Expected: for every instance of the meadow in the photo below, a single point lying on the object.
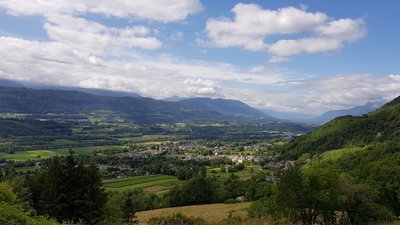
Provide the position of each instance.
(153, 183)
(44, 154)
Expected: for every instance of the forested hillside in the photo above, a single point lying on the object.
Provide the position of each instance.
(350, 131)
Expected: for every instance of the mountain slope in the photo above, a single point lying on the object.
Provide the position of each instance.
(350, 131)
(9, 83)
(223, 106)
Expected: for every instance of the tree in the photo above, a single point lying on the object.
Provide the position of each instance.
(129, 209)
(69, 190)
(14, 213)
(310, 195)
(359, 206)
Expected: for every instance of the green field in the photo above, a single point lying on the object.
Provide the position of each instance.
(147, 138)
(43, 154)
(141, 182)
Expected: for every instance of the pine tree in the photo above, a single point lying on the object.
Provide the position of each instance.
(69, 190)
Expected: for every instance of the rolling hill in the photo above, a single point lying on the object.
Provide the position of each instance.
(350, 131)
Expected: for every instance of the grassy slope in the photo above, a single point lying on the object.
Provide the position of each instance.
(211, 213)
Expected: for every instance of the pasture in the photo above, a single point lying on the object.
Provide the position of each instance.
(43, 154)
(151, 183)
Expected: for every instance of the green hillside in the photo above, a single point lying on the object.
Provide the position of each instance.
(350, 131)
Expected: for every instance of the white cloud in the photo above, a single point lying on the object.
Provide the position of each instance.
(65, 23)
(309, 45)
(252, 26)
(158, 10)
(343, 29)
(258, 70)
(96, 38)
(176, 36)
(278, 59)
(200, 87)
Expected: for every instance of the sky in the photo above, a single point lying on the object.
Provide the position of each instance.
(306, 56)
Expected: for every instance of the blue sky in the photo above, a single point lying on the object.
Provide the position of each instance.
(302, 56)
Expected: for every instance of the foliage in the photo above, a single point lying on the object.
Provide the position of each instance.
(14, 213)
(68, 190)
(309, 195)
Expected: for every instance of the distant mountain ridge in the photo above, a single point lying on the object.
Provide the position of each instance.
(224, 107)
(141, 110)
(355, 111)
(9, 83)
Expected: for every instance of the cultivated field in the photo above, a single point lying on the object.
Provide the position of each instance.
(151, 183)
(43, 154)
(212, 213)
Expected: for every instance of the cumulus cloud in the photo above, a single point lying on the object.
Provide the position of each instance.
(96, 38)
(65, 22)
(258, 70)
(252, 26)
(157, 10)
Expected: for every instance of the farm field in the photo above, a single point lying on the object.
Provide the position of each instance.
(151, 183)
(43, 154)
(147, 138)
(211, 213)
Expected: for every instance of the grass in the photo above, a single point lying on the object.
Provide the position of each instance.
(43, 154)
(335, 155)
(212, 213)
(162, 182)
(26, 155)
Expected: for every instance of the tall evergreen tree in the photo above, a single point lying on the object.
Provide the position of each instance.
(69, 190)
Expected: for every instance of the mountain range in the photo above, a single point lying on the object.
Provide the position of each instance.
(222, 107)
(137, 109)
